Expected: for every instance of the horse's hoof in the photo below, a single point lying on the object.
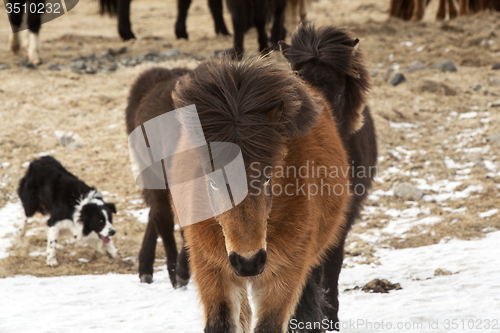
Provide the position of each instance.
(182, 282)
(127, 35)
(181, 33)
(146, 278)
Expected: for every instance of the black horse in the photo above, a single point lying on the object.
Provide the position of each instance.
(122, 9)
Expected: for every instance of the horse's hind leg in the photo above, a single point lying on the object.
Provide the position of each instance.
(182, 270)
(34, 24)
(216, 8)
(464, 7)
(311, 307)
(419, 11)
(15, 21)
(180, 24)
(452, 9)
(260, 24)
(164, 220)
(303, 11)
(278, 31)
(147, 253)
(124, 25)
(441, 12)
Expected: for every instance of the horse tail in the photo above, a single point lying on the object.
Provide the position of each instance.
(109, 7)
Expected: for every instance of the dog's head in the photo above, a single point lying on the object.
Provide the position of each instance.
(97, 216)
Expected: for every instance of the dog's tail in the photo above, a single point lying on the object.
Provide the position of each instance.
(109, 7)
(329, 59)
(28, 196)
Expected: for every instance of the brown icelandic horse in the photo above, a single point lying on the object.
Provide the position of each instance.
(274, 238)
(330, 61)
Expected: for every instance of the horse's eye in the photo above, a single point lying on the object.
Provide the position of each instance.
(338, 95)
(267, 181)
(213, 184)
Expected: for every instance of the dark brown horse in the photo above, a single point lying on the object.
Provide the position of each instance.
(284, 226)
(330, 61)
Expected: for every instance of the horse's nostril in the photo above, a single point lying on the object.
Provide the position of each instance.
(248, 266)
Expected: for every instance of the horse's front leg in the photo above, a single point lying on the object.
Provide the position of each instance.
(223, 296)
(276, 298)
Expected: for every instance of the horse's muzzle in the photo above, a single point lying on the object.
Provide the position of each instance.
(248, 266)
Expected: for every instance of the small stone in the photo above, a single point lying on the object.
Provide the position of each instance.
(65, 140)
(78, 66)
(440, 271)
(415, 66)
(5, 165)
(397, 79)
(66, 48)
(408, 191)
(388, 73)
(494, 81)
(115, 52)
(4, 66)
(496, 66)
(476, 86)
(380, 286)
(91, 69)
(494, 138)
(54, 67)
(73, 145)
(445, 66)
(436, 87)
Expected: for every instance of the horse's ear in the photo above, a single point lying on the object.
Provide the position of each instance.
(284, 47)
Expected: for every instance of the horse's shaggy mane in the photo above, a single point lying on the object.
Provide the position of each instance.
(255, 103)
(331, 51)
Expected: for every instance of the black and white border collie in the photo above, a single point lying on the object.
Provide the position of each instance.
(49, 188)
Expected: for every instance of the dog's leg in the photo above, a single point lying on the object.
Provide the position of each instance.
(111, 249)
(52, 235)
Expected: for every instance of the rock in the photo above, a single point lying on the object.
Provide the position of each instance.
(66, 48)
(388, 73)
(494, 138)
(494, 81)
(476, 86)
(78, 66)
(397, 79)
(408, 191)
(115, 52)
(54, 67)
(437, 88)
(65, 140)
(445, 66)
(380, 286)
(496, 66)
(415, 66)
(4, 66)
(91, 69)
(73, 145)
(170, 54)
(440, 271)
